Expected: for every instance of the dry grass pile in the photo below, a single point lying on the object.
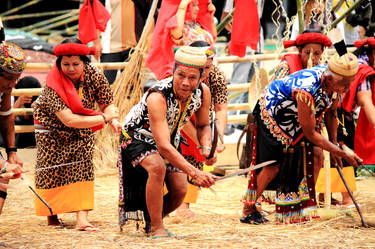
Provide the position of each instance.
(127, 92)
(215, 224)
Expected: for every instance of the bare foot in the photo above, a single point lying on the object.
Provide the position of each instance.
(184, 211)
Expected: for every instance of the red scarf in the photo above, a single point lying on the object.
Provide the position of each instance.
(245, 27)
(64, 87)
(91, 18)
(294, 62)
(363, 72)
(160, 58)
(191, 149)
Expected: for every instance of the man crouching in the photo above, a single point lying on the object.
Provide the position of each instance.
(150, 142)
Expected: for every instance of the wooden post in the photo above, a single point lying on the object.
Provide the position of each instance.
(327, 175)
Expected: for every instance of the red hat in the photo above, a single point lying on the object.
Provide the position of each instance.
(369, 41)
(308, 38)
(73, 49)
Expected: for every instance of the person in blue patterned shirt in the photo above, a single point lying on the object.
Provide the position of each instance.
(288, 118)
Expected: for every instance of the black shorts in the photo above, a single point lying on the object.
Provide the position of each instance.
(135, 151)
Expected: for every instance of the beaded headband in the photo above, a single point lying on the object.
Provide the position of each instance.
(12, 58)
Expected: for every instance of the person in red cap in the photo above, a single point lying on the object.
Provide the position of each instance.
(65, 123)
(309, 42)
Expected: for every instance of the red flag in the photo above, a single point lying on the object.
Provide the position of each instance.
(91, 18)
(245, 27)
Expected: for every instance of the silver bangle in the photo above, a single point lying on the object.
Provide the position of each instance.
(204, 147)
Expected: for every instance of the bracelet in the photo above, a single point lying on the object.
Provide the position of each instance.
(105, 119)
(11, 149)
(204, 147)
(4, 169)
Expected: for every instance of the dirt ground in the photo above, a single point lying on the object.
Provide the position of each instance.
(215, 225)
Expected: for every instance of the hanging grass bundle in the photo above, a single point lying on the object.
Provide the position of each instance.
(127, 91)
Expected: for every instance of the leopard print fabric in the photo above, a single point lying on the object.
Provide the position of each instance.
(64, 144)
(192, 161)
(218, 88)
(219, 95)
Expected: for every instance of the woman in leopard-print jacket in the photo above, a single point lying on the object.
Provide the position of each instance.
(64, 130)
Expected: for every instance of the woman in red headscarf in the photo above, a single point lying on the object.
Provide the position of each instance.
(179, 23)
(309, 42)
(65, 122)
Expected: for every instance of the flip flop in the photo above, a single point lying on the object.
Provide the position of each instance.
(89, 228)
(169, 235)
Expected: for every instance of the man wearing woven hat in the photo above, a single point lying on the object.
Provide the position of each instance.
(287, 117)
(12, 63)
(150, 141)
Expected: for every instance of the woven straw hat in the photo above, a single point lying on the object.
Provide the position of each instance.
(190, 57)
(12, 58)
(346, 65)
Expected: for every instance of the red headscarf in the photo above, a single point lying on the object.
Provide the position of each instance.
(91, 18)
(369, 41)
(245, 27)
(160, 58)
(64, 87)
(308, 38)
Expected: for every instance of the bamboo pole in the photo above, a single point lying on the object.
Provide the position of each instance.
(56, 24)
(237, 118)
(239, 107)
(48, 66)
(20, 7)
(220, 27)
(33, 15)
(241, 87)
(70, 31)
(300, 16)
(26, 91)
(23, 128)
(347, 12)
(327, 175)
(48, 21)
(220, 60)
(231, 119)
(23, 111)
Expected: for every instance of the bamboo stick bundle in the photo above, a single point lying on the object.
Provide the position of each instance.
(19, 7)
(67, 31)
(33, 15)
(56, 24)
(49, 21)
(127, 92)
